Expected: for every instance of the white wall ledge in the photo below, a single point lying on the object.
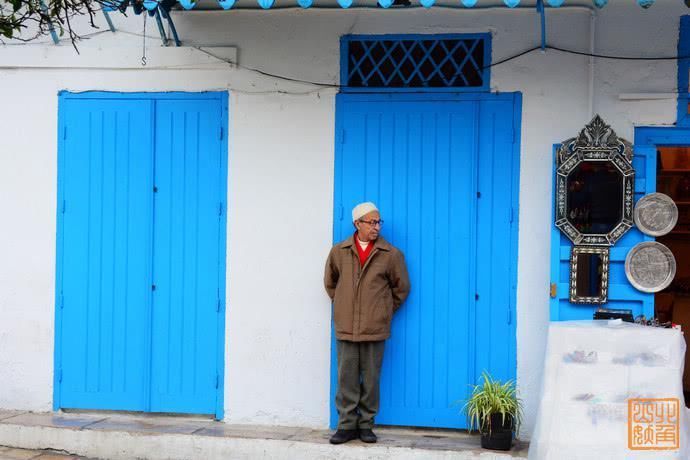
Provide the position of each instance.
(646, 96)
(65, 57)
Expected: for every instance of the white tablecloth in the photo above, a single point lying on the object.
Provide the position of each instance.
(591, 370)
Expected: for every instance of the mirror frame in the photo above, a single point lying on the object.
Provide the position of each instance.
(597, 142)
(574, 255)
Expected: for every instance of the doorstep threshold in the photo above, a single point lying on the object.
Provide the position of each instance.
(125, 436)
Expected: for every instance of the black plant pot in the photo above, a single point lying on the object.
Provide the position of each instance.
(501, 437)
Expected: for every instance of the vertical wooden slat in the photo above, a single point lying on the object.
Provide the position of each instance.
(494, 242)
(187, 224)
(384, 199)
(105, 235)
(413, 240)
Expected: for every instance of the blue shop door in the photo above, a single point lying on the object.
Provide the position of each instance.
(140, 236)
(443, 170)
(621, 292)
(104, 247)
(186, 257)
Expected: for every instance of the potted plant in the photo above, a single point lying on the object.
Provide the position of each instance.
(496, 411)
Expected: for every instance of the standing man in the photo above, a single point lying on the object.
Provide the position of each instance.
(367, 281)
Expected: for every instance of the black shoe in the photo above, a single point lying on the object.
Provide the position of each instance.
(343, 436)
(367, 435)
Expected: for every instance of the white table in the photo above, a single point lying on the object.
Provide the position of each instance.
(591, 371)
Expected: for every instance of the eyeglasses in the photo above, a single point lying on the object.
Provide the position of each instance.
(373, 223)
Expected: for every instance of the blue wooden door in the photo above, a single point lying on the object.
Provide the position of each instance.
(104, 248)
(442, 171)
(188, 213)
(621, 293)
(139, 322)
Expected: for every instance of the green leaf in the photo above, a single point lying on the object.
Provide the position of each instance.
(492, 397)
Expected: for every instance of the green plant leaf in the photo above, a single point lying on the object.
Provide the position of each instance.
(490, 397)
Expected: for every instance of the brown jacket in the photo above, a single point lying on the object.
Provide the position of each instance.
(365, 299)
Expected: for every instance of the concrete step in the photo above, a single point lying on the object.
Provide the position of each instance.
(10, 453)
(155, 437)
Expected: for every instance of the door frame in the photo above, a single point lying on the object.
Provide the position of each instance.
(662, 136)
(222, 98)
(338, 211)
(649, 138)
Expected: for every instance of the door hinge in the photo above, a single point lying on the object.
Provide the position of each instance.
(64, 133)
(479, 194)
(221, 133)
(62, 301)
(64, 206)
(342, 136)
(342, 211)
(512, 215)
(60, 375)
(554, 290)
(220, 208)
(510, 314)
(153, 287)
(217, 381)
(155, 189)
(218, 306)
(476, 296)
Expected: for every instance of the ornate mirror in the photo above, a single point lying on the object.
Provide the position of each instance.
(595, 182)
(589, 274)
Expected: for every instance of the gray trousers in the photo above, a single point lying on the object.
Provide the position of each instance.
(359, 371)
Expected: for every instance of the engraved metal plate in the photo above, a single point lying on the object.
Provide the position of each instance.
(656, 214)
(650, 266)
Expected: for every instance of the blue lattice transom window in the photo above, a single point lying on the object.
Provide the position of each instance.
(457, 62)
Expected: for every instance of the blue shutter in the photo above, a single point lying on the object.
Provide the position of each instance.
(140, 267)
(497, 238)
(621, 292)
(423, 160)
(187, 237)
(104, 253)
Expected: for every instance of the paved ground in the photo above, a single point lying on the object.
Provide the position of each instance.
(9, 453)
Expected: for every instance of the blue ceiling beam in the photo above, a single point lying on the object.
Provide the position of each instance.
(53, 34)
(542, 11)
(151, 5)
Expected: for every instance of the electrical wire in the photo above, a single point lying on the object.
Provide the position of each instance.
(622, 58)
(50, 42)
(515, 56)
(281, 77)
(493, 64)
(594, 55)
(323, 85)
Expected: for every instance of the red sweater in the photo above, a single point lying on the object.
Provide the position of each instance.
(363, 253)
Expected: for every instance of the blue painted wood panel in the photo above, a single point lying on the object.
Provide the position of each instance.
(140, 252)
(498, 177)
(621, 292)
(424, 161)
(187, 218)
(104, 250)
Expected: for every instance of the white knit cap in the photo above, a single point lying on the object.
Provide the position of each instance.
(362, 210)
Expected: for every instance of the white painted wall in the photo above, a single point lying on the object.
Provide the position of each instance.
(281, 169)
